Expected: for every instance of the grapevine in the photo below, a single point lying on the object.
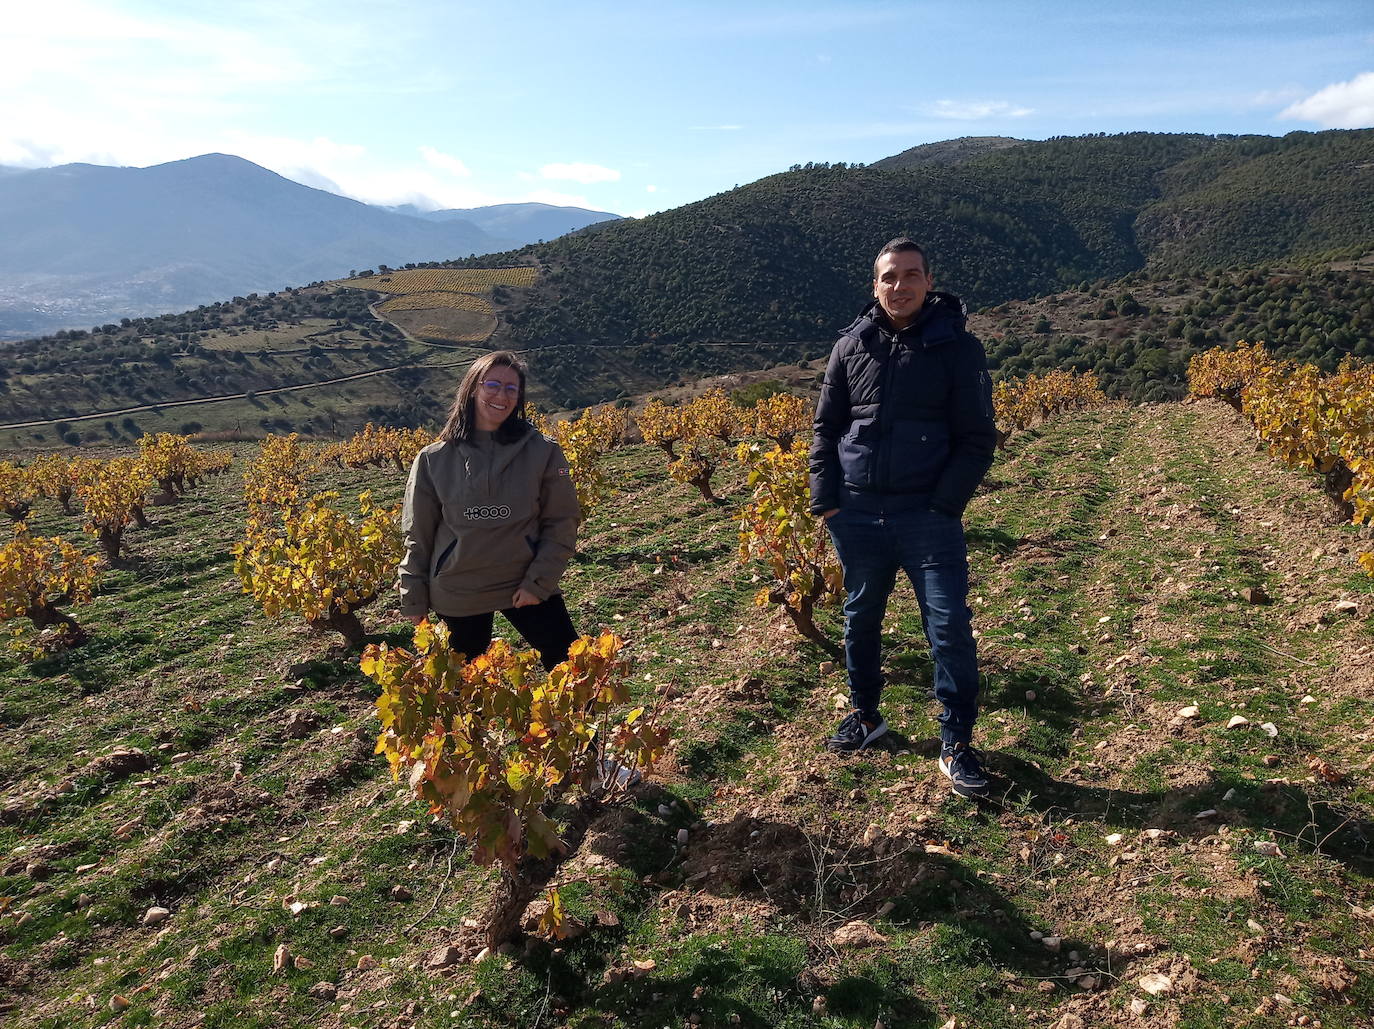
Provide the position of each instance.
(493, 745)
(16, 491)
(39, 573)
(781, 418)
(713, 415)
(51, 477)
(584, 441)
(704, 427)
(1315, 422)
(319, 562)
(169, 459)
(456, 280)
(426, 301)
(661, 425)
(1019, 404)
(375, 445)
(278, 476)
(777, 527)
(112, 493)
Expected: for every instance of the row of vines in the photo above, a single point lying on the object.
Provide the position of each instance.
(39, 575)
(1309, 420)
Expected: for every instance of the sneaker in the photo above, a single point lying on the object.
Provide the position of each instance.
(856, 733)
(963, 767)
(623, 775)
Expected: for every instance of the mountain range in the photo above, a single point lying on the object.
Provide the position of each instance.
(83, 244)
(528, 222)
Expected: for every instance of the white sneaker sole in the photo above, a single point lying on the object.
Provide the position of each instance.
(877, 733)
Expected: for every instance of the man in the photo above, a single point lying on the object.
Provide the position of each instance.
(904, 434)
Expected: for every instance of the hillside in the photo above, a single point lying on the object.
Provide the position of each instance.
(1138, 333)
(153, 374)
(787, 257)
(1109, 552)
(292, 349)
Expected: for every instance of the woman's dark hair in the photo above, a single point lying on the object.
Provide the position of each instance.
(461, 418)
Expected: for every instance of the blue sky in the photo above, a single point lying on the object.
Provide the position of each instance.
(633, 107)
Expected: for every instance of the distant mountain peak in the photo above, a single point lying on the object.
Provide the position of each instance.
(215, 155)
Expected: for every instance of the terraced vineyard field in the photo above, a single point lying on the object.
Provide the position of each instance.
(427, 300)
(1179, 707)
(456, 280)
(442, 304)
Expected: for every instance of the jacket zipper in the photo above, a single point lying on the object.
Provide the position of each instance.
(882, 454)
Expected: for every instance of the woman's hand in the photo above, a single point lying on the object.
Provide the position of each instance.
(523, 598)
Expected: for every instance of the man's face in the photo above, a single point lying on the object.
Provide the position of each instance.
(901, 285)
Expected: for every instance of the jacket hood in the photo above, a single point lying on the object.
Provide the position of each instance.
(943, 317)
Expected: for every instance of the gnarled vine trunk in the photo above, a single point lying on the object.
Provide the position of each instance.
(1335, 483)
(803, 617)
(702, 481)
(44, 615)
(110, 540)
(346, 623)
(500, 920)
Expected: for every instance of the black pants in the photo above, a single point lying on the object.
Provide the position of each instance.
(547, 627)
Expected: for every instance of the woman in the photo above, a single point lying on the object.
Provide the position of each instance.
(490, 519)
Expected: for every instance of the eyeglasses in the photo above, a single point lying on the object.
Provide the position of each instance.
(494, 387)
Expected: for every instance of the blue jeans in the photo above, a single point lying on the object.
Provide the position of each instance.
(929, 547)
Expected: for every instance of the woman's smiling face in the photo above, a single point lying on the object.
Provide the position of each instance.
(498, 394)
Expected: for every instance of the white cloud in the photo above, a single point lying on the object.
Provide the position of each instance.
(1269, 98)
(280, 152)
(578, 172)
(64, 44)
(975, 110)
(85, 81)
(557, 199)
(651, 189)
(1341, 105)
(445, 162)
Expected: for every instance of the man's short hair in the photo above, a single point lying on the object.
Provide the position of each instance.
(902, 245)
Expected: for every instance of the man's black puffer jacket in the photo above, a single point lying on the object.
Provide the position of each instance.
(905, 419)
